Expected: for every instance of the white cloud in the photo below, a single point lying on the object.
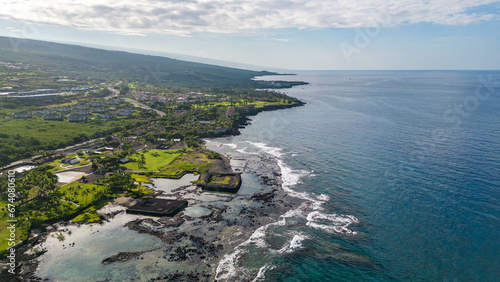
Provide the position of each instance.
(229, 16)
(274, 39)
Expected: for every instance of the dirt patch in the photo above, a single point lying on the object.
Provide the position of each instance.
(124, 201)
(69, 176)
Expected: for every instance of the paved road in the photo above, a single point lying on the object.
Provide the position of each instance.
(145, 106)
(29, 160)
(114, 93)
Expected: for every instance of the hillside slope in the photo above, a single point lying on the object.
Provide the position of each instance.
(104, 65)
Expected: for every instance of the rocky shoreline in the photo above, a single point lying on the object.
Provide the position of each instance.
(193, 245)
(244, 119)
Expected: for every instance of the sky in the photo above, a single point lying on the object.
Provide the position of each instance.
(276, 34)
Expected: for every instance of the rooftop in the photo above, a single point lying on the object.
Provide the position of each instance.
(158, 207)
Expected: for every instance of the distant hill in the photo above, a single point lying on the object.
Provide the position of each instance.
(103, 65)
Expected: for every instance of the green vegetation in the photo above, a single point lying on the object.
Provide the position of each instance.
(218, 179)
(41, 200)
(21, 138)
(140, 178)
(14, 105)
(192, 160)
(89, 215)
(154, 159)
(57, 165)
(84, 64)
(194, 100)
(81, 194)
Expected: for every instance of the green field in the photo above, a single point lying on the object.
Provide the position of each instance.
(155, 159)
(54, 132)
(191, 160)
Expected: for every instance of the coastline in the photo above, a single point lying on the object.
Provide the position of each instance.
(274, 202)
(243, 119)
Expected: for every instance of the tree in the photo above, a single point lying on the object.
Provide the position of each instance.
(142, 161)
(119, 182)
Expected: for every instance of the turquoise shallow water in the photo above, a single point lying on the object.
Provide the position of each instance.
(413, 156)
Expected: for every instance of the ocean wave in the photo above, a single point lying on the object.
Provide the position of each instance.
(227, 269)
(244, 151)
(230, 145)
(294, 244)
(310, 210)
(274, 151)
(340, 222)
(261, 274)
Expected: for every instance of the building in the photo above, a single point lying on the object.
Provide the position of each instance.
(78, 118)
(21, 115)
(230, 112)
(53, 117)
(106, 116)
(158, 207)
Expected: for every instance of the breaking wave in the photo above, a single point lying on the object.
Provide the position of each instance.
(227, 268)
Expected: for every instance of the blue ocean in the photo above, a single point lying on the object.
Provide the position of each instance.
(400, 171)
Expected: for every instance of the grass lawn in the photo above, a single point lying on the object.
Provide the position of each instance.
(140, 178)
(155, 159)
(191, 160)
(216, 179)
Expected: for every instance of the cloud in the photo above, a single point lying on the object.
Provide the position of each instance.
(14, 30)
(231, 16)
(274, 39)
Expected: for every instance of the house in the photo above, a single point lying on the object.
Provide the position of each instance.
(124, 160)
(74, 161)
(66, 160)
(99, 110)
(63, 109)
(106, 116)
(21, 115)
(123, 112)
(78, 118)
(230, 112)
(83, 112)
(220, 130)
(53, 117)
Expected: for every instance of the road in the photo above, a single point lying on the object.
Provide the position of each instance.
(114, 93)
(145, 106)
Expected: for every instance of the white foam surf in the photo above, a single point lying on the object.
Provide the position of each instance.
(230, 145)
(294, 244)
(310, 210)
